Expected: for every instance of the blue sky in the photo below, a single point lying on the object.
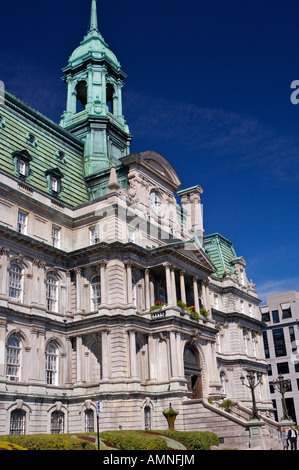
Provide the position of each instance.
(208, 86)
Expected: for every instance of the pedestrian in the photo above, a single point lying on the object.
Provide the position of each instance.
(292, 437)
(284, 437)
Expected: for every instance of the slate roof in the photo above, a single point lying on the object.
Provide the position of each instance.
(20, 120)
(221, 252)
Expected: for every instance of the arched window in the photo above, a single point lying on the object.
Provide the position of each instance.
(52, 293)
(52, 363)
(95, 285)
(147, 418)
(17, 422)
(81, 90)
(109, 96)
(192, 371)
(15, 281)
(13, 358)
(57, 422)
(89, 420)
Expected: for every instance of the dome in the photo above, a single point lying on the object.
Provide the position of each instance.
(94, 46)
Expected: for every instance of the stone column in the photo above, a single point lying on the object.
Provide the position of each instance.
(89, 84)
(173, 286)
(207, 295)
(3, 324)
(152, 291)
(129, 282)
(152, 357)
(42, 283)
(4, 271)
(173, 355)
(41, 374)
(105, 355)
(203, 294)
(195, 293)
(147, 289)
(103, 76)
(80, 357)
(182, 286)
(168, 283)
(119, 103)
(71, 96)
(133, 358)
(104, 293)
(79, 291)
(35, 282)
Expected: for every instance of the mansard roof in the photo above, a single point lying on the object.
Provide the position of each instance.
(221, 252)
(53, 147)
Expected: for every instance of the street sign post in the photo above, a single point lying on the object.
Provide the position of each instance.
(99, 410)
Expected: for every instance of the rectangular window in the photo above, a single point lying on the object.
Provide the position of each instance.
(22, 167)
(54, 184)
(55, 236)
(22, 222)
(283, 368)
(279, 342)
(286, 313)
(275, 316)
(266, 345)
(265, 317)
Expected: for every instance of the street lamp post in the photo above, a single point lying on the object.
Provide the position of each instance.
(252, 385)
(282, 386)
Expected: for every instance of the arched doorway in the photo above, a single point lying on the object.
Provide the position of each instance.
(192, 371)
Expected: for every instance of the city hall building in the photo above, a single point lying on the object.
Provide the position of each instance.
(109, 289)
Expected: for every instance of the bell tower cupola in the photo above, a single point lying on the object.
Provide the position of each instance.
(94, 80)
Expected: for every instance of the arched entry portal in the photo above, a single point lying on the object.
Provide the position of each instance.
(192, 371)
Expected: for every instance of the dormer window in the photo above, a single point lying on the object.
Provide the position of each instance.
(2, 122)
(54, 177)
(22, 159)
(31, 139)
(60, 155)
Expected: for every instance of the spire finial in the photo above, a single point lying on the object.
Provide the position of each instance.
(93, 16)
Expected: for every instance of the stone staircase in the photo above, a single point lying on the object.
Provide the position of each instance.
(234, 429)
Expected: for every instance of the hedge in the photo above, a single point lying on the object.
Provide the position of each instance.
(49, 442)
(195, 440)
(124, 440)
(10, 446)
(134, 440)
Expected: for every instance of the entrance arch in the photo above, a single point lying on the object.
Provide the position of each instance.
(192, 371)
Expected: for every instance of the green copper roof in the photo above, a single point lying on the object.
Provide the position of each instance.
(52, 150)
(221, 252)
(93, 45)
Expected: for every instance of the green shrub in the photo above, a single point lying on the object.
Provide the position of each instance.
(195, 440)
(134, 440)
(9, 446)
(49, 442)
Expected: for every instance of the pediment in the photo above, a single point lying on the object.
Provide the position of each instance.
(155, 165)
(196, 254)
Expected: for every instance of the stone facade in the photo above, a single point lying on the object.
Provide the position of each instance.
(108, 288)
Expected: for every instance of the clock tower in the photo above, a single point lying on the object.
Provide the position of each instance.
(93, 112)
